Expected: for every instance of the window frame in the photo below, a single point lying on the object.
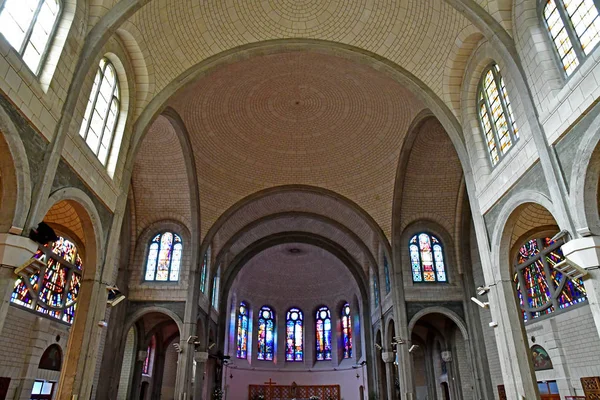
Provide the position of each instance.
(318, 318)
(445, 259)
(570, 29)
(507, 115)
(168, 281)
(272, 318)
(27, 37)
(101, 72)
(301, 319)
(240, 320)
(350, 333)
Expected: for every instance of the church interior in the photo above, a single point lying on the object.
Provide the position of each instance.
(299, 199)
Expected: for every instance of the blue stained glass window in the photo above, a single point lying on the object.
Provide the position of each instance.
(242, 332)
(323, 334)
(164, 258)
(266, 334)
(294, 350)
(53, 288)
(347, 330)
(203, 274)
(537, 294)
(386, 270)
(427, 259)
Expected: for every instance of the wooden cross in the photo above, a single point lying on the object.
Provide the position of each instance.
(270, 384)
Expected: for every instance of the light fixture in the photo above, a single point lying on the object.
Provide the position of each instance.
(481, 304)
(570, 269)
(378, 346)
(413, 348)
(177, 347)
(210, 346)
(481, 290)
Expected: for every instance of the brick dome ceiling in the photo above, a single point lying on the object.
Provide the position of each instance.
(296, 118)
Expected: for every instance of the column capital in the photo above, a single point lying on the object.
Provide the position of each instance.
(201, 356)
(584, 251)
(15, 249)
(388, 356)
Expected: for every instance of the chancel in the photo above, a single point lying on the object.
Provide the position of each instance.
(312, 199)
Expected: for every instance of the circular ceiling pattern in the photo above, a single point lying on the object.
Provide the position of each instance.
(296, 118)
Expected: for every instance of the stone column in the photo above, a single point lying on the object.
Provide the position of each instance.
(388, 358)
(14, 251)
(585, 252)
(200, 357)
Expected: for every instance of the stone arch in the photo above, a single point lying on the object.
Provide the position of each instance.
(482, 168)
(456, 64)
(133, 318)
(584, 180)
(228, 277)
(454, 317)
(15, 176)
(508, 222)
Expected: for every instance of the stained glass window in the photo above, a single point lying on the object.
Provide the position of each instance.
(574, 28)
(376, 291)
(386, 271)
(147, 367)
(102, 112)
(242, 331)
(215, 293)
(294, 349)
(427, 259)
(53, 288)
(495, 114)
(29, 26)
(537, 294)
(204, 270)
(347, 330)
(323, 329)
(266, 334)
(164, 258)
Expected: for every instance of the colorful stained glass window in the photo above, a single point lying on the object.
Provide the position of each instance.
(294, 350)
(574, 27)
(164, 258)
(102, 112)
(53, 288)
(266, 334)
(147, 367)
(323, 329)
(376, 291)
(386, 271)
(242, 331)
(537, 294)
(28, 26)
(495, 114)
(347, 330)
(427, 258)
(204, 270)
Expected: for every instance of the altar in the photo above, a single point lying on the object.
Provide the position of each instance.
(271, 391)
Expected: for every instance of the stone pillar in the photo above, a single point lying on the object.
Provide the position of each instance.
(585, 252)
(200, 357)
(388, 358)
(14, 251)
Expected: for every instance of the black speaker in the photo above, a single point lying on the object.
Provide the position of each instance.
(43, 234)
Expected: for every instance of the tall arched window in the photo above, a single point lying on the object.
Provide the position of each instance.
(386, 271)
(102, 111)
(294, 347)
(149, 360)
(496, 118)
(427, 258)
(242, 331)
(50, 284)
(323, 328)
(347, 330)
(376, 291)
(215, 293)
(537, 294)
(574, 28)
(29, 27)
(204, 270)
(266, 337)
(164, 258)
